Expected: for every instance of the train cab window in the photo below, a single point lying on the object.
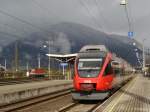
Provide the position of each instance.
(108, 69)
(89, 67)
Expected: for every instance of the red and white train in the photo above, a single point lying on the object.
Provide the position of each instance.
(97, 73)
(38, 73)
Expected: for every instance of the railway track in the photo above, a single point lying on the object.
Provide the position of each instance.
(55, 102)
(87, 106)
(33, 101)
(91, 106)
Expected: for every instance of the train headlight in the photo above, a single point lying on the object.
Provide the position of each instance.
(87, 81)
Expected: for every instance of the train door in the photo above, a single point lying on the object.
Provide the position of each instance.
(108, 75)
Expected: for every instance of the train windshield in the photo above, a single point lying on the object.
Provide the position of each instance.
(89, 67)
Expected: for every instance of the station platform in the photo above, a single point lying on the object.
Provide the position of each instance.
(13, 93)
(133, 97)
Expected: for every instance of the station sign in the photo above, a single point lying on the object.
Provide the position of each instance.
(130, 34)
(64, 64)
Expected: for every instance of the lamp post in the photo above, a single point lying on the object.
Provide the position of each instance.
(27, 66)
(5, 64)
(16, 56)
(49, 59)
(39, 61)
(124, 3)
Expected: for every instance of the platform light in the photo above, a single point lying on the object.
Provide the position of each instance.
(44, 46)
(123, 2)
(134, 43)
(135, 50)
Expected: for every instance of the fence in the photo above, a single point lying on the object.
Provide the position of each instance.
(10, 74)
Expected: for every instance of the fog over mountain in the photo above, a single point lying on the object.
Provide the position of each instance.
(20, 18)
(66, 38)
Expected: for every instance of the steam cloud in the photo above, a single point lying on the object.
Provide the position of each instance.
(62, 43)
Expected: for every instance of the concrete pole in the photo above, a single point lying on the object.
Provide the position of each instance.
(64, 71)
(143, 54)
(39, 61)
(5, 64)
(27, 66)
(16, 56)
(49, 60)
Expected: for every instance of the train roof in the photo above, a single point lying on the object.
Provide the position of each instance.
(90, 51)
(94, 48)
(92, 55)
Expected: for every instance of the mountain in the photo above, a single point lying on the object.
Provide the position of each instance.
(66, 38)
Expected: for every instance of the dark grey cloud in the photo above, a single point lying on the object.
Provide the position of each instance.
(43, 13)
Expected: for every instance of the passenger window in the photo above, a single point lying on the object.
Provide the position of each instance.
(108, 69)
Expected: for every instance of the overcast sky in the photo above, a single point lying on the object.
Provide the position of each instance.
(19, 18)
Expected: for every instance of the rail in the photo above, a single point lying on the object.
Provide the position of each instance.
(32, 101)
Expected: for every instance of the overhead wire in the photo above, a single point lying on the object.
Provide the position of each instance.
(100, 14)
(90, 14)
(23, 21)
(105, 21)
(12, 27)
(41, 29)
(80, 1)
(41, 7)
(44, 9)
(10, 34)
(20, 20)
(127, 16)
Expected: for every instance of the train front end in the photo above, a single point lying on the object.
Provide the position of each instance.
(88, 81)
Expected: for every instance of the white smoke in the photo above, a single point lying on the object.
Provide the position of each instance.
(62, 43)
